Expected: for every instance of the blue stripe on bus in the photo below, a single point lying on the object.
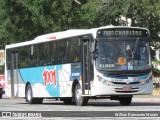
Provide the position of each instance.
(45, 76)
(126, 77)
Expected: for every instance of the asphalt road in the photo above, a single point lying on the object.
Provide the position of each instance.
(141, 106)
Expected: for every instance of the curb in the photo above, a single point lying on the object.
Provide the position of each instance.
(146, 98)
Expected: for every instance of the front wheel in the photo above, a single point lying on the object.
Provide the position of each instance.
(80, 100)
(125, 101)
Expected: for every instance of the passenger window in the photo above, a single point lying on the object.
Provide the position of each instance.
(62, 51)
(74, 50)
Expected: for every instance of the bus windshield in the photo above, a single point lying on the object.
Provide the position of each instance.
(122, 54)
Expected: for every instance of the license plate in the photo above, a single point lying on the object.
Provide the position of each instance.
(126, 88)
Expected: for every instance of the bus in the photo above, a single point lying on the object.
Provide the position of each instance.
(76, 65)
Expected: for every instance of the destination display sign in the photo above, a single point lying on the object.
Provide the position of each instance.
(122, 32)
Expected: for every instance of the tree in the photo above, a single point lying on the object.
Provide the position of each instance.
(23, 20)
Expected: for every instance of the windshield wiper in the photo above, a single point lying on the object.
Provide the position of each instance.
(134, 48)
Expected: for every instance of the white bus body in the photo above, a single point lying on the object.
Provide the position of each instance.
(76, 65)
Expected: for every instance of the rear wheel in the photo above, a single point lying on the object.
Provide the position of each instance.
(29, 96)
(125, 101)
(1, 95)
(1, 91)
(79, 99)
(67, 100)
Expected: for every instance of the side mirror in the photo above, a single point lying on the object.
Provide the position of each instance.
(93, 47)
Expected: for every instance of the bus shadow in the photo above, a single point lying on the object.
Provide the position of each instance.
(145, 104)
(116, 103)
(97, 103)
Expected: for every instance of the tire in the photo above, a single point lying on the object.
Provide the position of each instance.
(79, 99)
(29, 96)
(1, 95)
(125, 101)
(39, 100)
(67, 100)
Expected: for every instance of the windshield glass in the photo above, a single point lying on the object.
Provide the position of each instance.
(129, 54)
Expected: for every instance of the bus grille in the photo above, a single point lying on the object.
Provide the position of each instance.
(124, 83)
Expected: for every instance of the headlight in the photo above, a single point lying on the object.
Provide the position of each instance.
(109, 83)
(146, 81)
(150, 78)
(99, 78)
(104, 81)
(143, 82)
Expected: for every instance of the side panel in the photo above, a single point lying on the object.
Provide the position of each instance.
(48, 81)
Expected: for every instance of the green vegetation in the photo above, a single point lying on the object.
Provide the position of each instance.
(23, 20)
(156, 71)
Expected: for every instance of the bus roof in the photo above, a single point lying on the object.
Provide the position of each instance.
(64, 34)
(69, 33)
(51, 36)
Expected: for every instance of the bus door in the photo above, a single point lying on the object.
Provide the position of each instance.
(86, 64)
(14, 73)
